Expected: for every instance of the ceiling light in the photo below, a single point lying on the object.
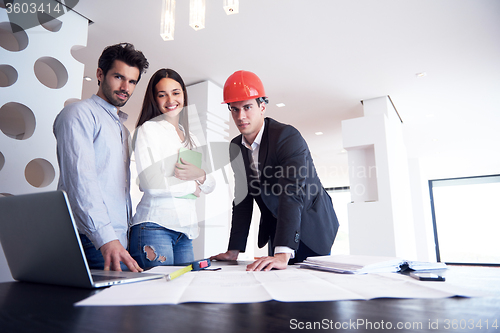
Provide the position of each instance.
(167, 20)
(422, 74)
(280, 105)
(231, 6)
(197, 14)
(87, 78)
(197, 11)
(319, 133)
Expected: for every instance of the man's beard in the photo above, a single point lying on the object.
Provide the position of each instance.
(110, 95)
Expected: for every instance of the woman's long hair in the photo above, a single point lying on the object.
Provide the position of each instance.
(150, 110)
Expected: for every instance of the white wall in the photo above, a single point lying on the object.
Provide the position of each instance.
(373, 226)
(380, 216)
(446, 164)
(208, 120)
(44, 78)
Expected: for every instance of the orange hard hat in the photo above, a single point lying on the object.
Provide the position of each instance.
(241, 86)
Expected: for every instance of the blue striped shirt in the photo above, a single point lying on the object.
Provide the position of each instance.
(94, 162)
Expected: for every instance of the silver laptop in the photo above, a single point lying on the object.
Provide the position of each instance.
(41, 243)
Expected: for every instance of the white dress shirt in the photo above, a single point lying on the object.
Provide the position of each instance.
(254, 149)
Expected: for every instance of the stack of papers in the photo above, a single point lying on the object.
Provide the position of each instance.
(358, 264)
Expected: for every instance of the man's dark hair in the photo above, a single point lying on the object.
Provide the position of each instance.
(262, 100)
(124, 52)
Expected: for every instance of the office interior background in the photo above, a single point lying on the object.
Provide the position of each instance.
(394, 98)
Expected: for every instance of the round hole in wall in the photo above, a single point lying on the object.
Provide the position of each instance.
(8, 75)
(13, 37)
(71, 101)
(2, 161)
(39, 172)
(51, 72)
(17, 121)
(77, 51)
(5, 195)
(48, 22)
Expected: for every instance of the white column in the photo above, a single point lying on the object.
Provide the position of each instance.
(209, 121)
(380, 214)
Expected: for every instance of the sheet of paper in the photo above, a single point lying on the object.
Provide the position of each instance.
(392, 285)
(233, 284)
(236, 286)
(382, 285)
(143, 293)
(298, 285)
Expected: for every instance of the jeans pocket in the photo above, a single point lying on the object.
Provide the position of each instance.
(86, 243)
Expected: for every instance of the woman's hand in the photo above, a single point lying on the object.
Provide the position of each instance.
(188, 171)
(198, 191)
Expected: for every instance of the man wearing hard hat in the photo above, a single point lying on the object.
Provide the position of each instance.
(273, 166)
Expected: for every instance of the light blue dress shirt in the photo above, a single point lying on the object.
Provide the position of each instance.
(94, 161)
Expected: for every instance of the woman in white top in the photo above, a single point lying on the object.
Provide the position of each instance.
(164, 224)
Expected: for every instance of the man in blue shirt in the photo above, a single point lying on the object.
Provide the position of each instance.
(94, 160)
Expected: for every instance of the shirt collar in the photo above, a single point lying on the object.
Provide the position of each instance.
(256, 142)
(110, 108)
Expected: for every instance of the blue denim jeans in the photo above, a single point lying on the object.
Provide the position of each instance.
(94, 257)
(153, 245)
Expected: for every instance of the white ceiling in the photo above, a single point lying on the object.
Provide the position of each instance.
(322, 57)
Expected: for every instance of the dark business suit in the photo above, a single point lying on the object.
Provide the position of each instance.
(295, 209)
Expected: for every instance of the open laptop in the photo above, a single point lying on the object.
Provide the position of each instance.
(41, 243)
